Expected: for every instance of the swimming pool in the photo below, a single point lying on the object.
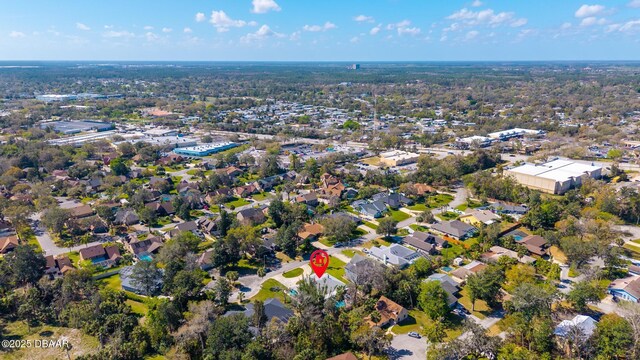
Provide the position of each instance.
(292, 292)
(145, 258)
(517, 238)
(446, 268)
(341, 304)
(98, 259)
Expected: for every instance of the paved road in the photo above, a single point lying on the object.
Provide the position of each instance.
(46, 242)
(404, 347)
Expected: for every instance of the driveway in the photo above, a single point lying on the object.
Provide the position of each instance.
(46, 242)
(407, 348)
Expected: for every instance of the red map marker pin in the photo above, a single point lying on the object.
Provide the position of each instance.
(319, 262)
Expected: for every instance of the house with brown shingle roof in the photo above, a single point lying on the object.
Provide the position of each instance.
(81, 211)
(536, 244)
(473, 267)
(391, 313)
(345, 356)
(100, 255)
(311, 231)
(58, 266)
(8, 243)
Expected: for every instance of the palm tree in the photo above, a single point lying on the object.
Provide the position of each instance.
(240, 297)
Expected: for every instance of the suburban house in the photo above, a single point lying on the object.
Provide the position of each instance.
(394, 254)
(391, 313)
(455, 229)
(330, 282)
(273, 309)
(351, 269)
(394, 200)
(191, 226)
(586, 324)
(245, 191)
(205, 260)
(126, 217)
(161, 208)
(449, 285)
(425, 242)
(479, 217)
(536, 244)
(626, 288)
(508, 209)
(145, 247)
(310, 199)
(423, 189)
(208, 225)
(473, 267)
(100, 255)
(250, 216)
(81, 211)
(58, 266)
(372, 210)
(345, 356)
(311, 231)
(496, 252)
(128, 284)
(8, 243)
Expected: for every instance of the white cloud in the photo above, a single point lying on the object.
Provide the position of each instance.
(148, 27)
(374, 30)
(452, 27)
(476, 3)
(222, 22)
(151, 37)
(592, 20)
(565, 26)
(167, 30)
(200, 17)
(317, 28)
(471, 35)
(413, 31)
(519, 22)
(262, 33)
(486, 17)
(295, 36)
(17, 34)
(108, 27)
(354, 40)
(118, 34)
(187, 30)
(589, 10)
(629, 27)
(364, 18)
(263, 6)
(634, 4)
(83, 27)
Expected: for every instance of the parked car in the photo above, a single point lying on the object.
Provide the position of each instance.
(414, 334)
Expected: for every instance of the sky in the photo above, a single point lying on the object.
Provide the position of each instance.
(319, 30)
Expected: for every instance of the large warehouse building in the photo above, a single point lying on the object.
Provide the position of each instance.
(398, 158)
(555, 177)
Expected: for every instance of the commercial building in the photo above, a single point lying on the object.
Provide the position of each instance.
(398, 158)
(84, 138)
(161, 132)
(513, 133)
(78, 126)
(206, 149)
(555, 177)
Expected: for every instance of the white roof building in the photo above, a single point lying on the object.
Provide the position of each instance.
(584, 323)
(555, 177)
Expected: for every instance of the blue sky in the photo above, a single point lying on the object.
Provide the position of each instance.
(319, 30)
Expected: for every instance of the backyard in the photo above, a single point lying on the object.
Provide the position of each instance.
(270, 289)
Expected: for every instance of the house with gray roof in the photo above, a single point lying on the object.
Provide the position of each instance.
(456, 229)
(394, 254)
(448, 284)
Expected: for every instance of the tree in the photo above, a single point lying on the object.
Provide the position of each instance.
(372, 340)
(277, 212)
(262, 272)
(338, 228)
(433, 300)
(222, 290)
(582, 293)
(421, 268)
(55, 219)
(518, 274)
(532, 300)
(228, 337)
(119, 167)
(259, 318)
(484, 285)
(25, 264)
(387, 226)
(147, 277)
(106, 214)
(613, 337)
(426, 217)
(225, 223)
(147, 216)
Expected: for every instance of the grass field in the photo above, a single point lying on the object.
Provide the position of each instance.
(417, 320)
(373, 161)
(260, 197)
(481, 308)
(81, 344)
(447, 215)
(293, 273)
(138, 307)
(270, 289)
(370, 225)
(237, 203)
(399, 216)
(112, 282)
(351, 253)
(557, 254)
(336, 268)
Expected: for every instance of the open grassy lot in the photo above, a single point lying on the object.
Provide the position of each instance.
(373, 161)
(482, 310)
(81, 344)
(270, 289)
(237, 203)
(138, 307)
(260, 197)
(293, 273)
(447, 215)
(398, 215)
(336, 268)
(418, 320)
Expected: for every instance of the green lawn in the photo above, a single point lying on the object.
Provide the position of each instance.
(246, 267)
(439, 200)
(418, 207)
(377, 242)
(481, 307)
(163, 221)
(270, 289)
(293, 273)
(336, 268)
(237, 203)
(138, 307)
(351, 253)
(417, 320)
(398, 215)
(370, 225)
(452, 252)
(260, 197)
(417, 227)
(112, 282)
(448, 215)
